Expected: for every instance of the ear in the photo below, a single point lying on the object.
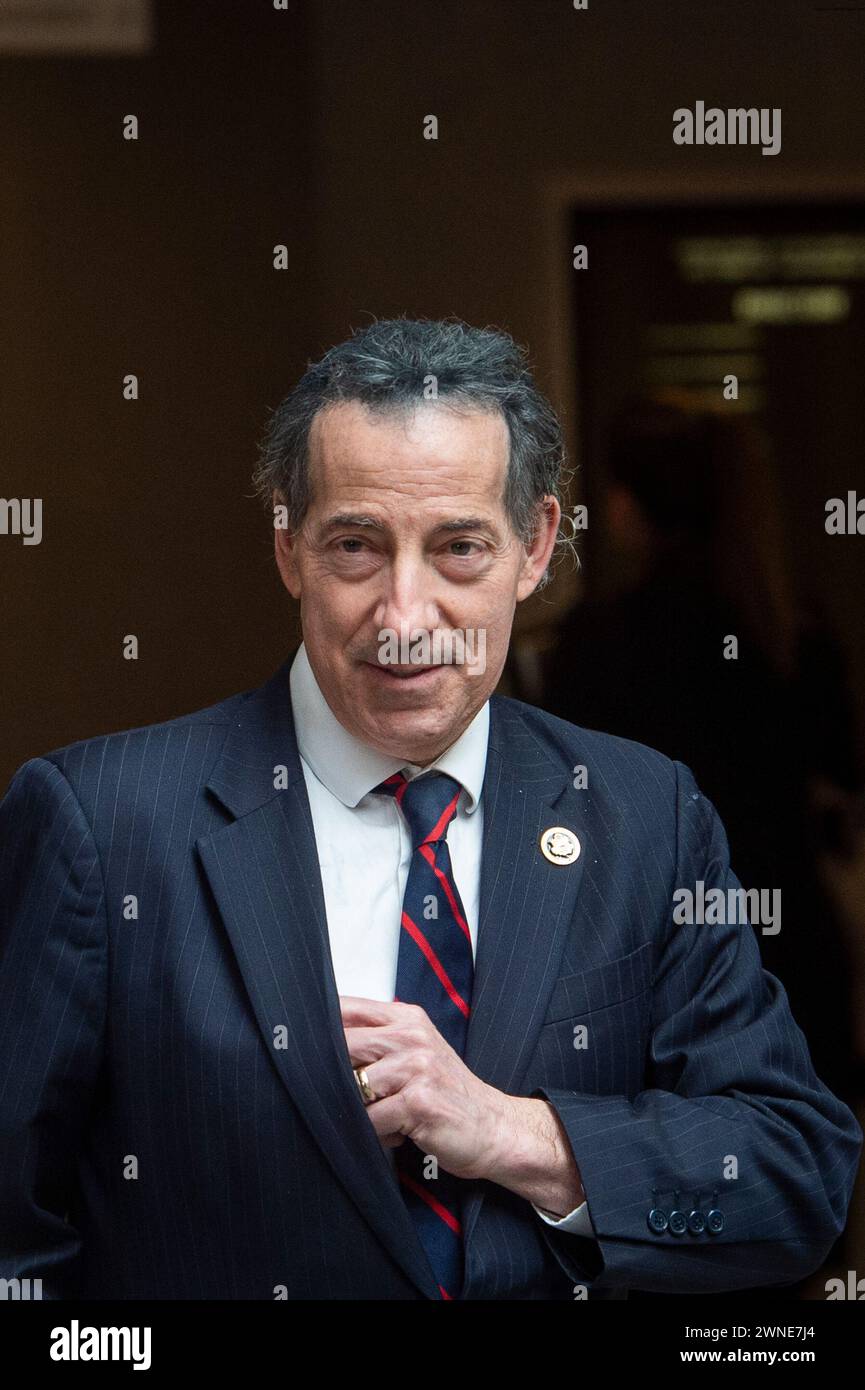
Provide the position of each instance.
(537, 554)
(285, 548)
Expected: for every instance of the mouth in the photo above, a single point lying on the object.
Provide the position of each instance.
(404, 675)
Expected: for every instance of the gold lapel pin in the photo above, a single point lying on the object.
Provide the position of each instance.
(560, 846)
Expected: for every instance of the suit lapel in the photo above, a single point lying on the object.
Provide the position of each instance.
(264, 874)
(526, 907)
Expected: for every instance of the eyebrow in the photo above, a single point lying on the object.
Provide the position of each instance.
(460, 523)
(467, 523)
(348, 519)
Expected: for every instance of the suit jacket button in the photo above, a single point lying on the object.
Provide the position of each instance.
(657, 1221)
(678, 1223)
(696, 1222)
(715, 1221)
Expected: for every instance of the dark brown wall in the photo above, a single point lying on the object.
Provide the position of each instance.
(151, 257)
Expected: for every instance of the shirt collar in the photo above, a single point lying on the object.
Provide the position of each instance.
(349, 768)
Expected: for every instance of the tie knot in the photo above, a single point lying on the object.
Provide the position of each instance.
(428, 803)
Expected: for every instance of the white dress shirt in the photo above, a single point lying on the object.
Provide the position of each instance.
(364, 847)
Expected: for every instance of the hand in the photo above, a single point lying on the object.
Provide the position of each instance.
(424, 1090)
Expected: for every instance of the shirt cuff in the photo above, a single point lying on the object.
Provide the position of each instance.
(576, 1222)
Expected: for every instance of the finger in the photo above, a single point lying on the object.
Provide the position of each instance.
(356, 1011)
(392, 1141)
(370, 1044)
(388, 1116)
(387, 1076)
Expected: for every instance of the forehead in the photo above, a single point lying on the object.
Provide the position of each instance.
(427, 451)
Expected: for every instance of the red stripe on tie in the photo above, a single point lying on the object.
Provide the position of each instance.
(430, 858)
(447, 1216)
(444, 1293)
(420, 940)
(398, 780)
(444, 819)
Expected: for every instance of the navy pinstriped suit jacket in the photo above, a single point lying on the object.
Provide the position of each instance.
(152, 1041)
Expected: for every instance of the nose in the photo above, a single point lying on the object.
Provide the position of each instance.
(407, 602)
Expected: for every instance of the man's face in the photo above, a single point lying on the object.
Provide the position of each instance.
(406, 530)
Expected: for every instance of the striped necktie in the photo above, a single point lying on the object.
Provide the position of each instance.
(435, 969)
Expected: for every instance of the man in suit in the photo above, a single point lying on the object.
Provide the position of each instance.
(368, 983)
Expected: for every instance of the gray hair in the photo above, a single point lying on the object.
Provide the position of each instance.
(397, 364)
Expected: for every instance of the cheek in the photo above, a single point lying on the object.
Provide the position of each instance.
(324, 641)
(500, 598)
(328, 605)
(496, 625)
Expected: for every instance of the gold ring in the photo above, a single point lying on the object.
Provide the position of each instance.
(364, 1087)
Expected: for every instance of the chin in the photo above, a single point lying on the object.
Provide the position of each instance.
(405, 733)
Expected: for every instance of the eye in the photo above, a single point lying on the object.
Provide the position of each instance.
(349, 541)
(465, 554)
